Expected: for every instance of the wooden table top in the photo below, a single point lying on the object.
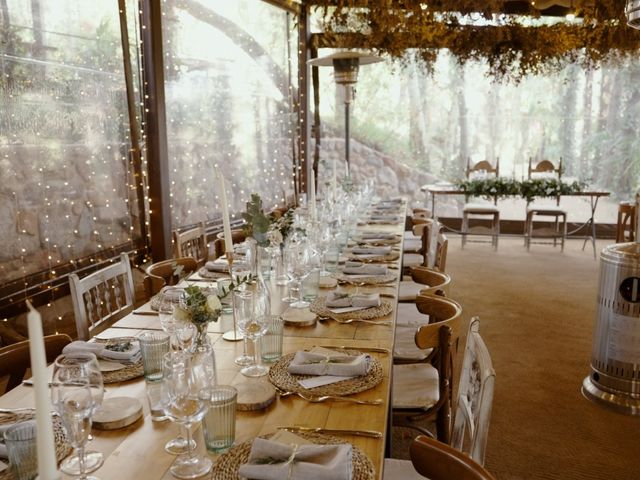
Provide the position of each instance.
(137, 452)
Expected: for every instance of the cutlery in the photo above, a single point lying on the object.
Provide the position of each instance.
(362, 320)
(324, 398)
(142, 312)
(335, 431)
(356, 347)
(201, 280)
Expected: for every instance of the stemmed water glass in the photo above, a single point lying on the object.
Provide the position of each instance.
(77, 391)
(253, 322)
(186, 391)
(298, 267)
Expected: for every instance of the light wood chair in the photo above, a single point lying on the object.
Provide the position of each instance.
(424, 256)
(626, 226)
(192, 243)
(480, 210)
(237, 235)
(475, 397)
(101, 298)
(423, 390)
(167, 272)
(423, 280)
(438, 461)
(557, 214)
(15, 358)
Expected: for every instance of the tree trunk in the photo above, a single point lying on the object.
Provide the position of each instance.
(569, 99)
(585, 141)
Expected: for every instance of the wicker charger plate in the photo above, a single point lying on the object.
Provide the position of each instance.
(60, 439)
(369, 280)
(227, 466)
(390, 257)
(281, 378)
(129, 372)
(319, 308)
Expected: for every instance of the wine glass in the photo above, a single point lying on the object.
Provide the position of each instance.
(298, 267)
(186, 392)
(169, 298)
(186, 333)
(252, 320)
(77, 391)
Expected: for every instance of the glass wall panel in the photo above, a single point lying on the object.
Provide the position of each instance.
(65, 186)
(229, 67)
(411, 127)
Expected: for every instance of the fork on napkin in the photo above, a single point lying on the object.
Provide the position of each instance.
(290, 456)
(218, 265)
(100, 350)
(371, 250)
(327, 362)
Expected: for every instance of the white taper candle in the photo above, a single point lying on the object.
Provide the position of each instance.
(47, 465)
(226, 225)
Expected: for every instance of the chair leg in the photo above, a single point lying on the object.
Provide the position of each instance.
(529, 230)
(464, 229)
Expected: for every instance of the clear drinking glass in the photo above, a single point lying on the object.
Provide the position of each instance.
(219, 425)
(185, 399)
(77, 391)
(20, 440)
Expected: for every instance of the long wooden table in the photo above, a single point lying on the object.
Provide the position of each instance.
(137, 452)
(589, 226)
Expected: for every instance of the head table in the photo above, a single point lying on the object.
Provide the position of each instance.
(137, 452)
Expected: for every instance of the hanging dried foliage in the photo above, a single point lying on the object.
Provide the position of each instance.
(512, 44)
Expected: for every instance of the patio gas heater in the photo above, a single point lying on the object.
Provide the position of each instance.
(614, 380)
(345, 72)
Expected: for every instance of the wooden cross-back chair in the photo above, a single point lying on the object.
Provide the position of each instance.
(557, 214)
(475, 397)
(423, 280)
(238, 235)
(423, 390)
(423, 257)
(480, 210)
(192, 243)
(101, 298)
(15, 358)
(167, 273)
(439, 461)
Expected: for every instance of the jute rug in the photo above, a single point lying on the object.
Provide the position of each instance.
(537, 312)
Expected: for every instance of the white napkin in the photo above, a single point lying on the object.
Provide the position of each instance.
(365, 270)
(371, 250)
(332, 363)
(218, 265)
(378, 235)
(131, 355)
(270, 460)
(339, 300)
(385, 218)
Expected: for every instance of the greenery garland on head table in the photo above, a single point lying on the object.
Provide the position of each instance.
(500, 187)
(513, 46)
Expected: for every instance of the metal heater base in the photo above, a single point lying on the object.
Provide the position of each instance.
(619, 401)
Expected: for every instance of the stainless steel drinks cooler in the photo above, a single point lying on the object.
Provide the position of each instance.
(614, 380)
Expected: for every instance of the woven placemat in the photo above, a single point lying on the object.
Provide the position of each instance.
(390, 257)
(129, 372)
(154, 303)
(369, 280)
(319, 308)
(227, 466)
(281, 378)
(60, 439)
(204, 272)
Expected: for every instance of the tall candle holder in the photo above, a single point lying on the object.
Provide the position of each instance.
(232, 335)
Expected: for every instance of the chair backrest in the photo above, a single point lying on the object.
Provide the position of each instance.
(483, 166)
(435, 282)
(442, 334)
(544, 166)
(439, 461)
(475, 397)
(192, 243)
(102, 297)
(167, 272)
(15, 358)
(237, 236)
(424, 230)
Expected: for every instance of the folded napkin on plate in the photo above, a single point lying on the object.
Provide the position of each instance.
(365, 269)
(371, 250)
(270, 460)
(378, 236)
(131, 355)
(389, 218)
(341, 300)
(217, 266)
(339, 365)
